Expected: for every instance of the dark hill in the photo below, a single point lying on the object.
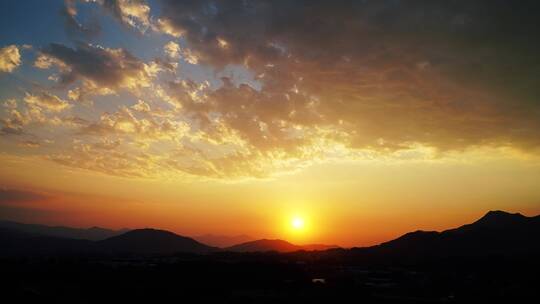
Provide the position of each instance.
(496, 233)
(152, 241)
(20, 243)
(222, 241)
(275, 245)
(264, 245)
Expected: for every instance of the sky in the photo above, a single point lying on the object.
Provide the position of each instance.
(363, 119)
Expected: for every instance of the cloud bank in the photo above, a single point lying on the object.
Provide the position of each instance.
(320, 81)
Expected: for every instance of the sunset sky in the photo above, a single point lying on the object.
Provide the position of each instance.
(363, 119)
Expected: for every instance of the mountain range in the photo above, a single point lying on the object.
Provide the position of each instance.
(275, 245)
(92, 233)
(223, 241)
(495, 233)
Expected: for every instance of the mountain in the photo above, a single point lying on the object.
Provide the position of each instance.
(139, 241)
(93, 233)
(152, 241)
(496, 233)
(275, 245)
(222, 241)
(19, 243)
(264, 245)
(318, 247)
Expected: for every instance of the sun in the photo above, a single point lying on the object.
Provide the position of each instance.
(297, 223)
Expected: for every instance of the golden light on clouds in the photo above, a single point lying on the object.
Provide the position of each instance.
(10, 58)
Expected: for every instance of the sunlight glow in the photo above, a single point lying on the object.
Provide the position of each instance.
(297, 223)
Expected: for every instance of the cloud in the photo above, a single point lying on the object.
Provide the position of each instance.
(103, 66)
(20, 196)
(47, 101)
(274, 87)
(27, 214)
(141, 106)
(38, 109)
(101, 70)
(124, 121)
(172, 49)
(75, 29)
(386, 74)
(13, 125)
(30, 144)
(107, 158)
(10, 104)
(133, 13)
(10, 58)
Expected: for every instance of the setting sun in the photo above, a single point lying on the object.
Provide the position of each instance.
(297, 223)
(270, 151)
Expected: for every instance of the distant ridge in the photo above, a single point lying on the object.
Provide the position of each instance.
(222, 241)
(496, 233)
(93, 233)
(265, 245)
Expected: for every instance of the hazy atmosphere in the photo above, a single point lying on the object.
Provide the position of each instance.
(335, 122)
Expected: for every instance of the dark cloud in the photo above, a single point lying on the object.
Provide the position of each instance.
(447, 74)
(100, 70)
(107, 67)
(75, 29)
(308, 81)
(20, 196)
(26, 214)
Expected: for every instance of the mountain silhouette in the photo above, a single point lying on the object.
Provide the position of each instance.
(222, 241)
(499, 218)
(318, 247)
(496, 233)
(15, 242)
(93, 233)
(265, 245)
(153, 241)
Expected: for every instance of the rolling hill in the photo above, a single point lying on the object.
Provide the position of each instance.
(153, 241)
(496, 233)
(222, 241)
(265, 245)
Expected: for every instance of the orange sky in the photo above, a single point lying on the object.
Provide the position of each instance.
(349, 204)
(366, 119)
